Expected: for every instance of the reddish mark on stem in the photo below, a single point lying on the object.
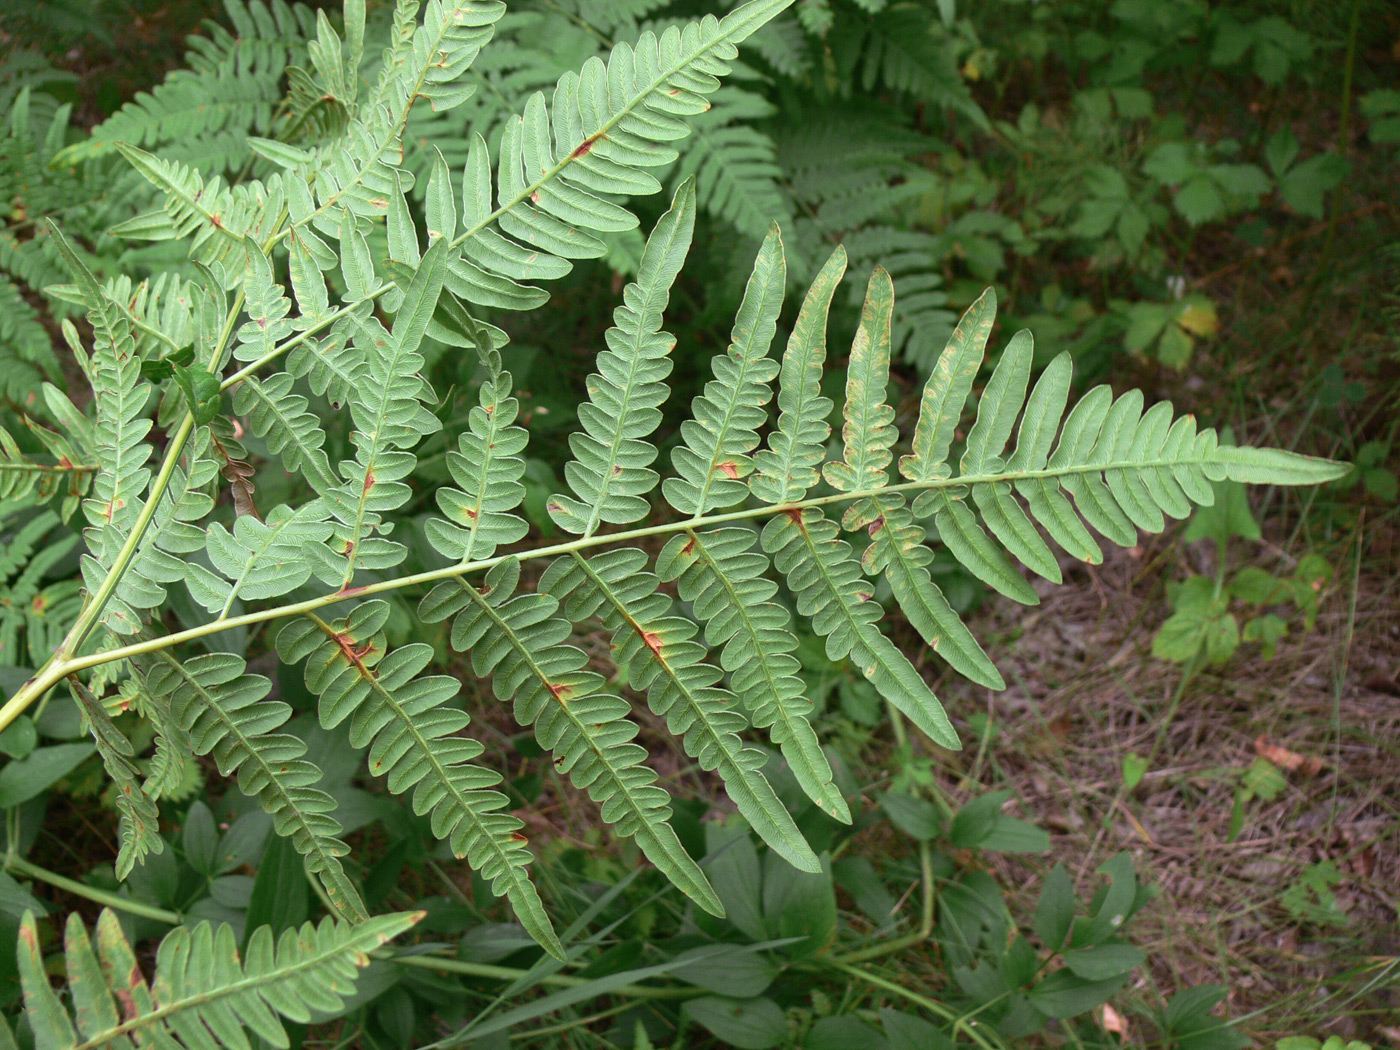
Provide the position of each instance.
(584, 146)
(369, 480)
(653, 640)
(354, 653)
(350, 592)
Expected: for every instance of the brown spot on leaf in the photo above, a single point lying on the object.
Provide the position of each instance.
(729, 469)
(876, 525)
(653, 640)
(515, 836)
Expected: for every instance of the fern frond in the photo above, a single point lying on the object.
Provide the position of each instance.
(897, 549)
(727, 415)
(659, 653)
(412, 734)
(201, 995)
(787, 469)
(258, 560)
(390, 417)
(25, 348)
(172, 765)
(734, 164)
(217, 218)
(783, 44)
(610, 473)
(121, 427)
(868, 434)
(30, 608)
(906, 51)
(946, 391)
(826, 581)
(518, 639)
(226, 714)
(231, 82)
(139, 828)
(723, 578)
(22, 475)
(559, 162)
(283, 418)
(488, 466)
(171, 536)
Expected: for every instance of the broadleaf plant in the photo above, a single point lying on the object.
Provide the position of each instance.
(319, 278)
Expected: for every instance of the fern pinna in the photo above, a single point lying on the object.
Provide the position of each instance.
(752, 502)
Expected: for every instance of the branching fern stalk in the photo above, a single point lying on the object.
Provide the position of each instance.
(748, 498)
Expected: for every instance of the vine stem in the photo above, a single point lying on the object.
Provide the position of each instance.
(59, 666)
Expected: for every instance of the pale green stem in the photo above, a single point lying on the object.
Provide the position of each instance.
(559, 980)
(92, 612)
(72, 468)
(20, 866)
(961, 1023)
(57, 668)
(926, 899)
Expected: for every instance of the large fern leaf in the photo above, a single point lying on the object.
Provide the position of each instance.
(412, 733)
(225, 714)
(519, 640)
(201, 994)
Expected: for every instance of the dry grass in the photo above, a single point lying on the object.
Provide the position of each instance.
(1084, 692)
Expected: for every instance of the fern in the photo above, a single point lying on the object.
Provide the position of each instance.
(850, 179)
(322, 268)
(230, 81)
(201, 993)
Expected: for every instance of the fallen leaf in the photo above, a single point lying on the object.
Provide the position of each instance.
(1286, 759)
(1113, 1022)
